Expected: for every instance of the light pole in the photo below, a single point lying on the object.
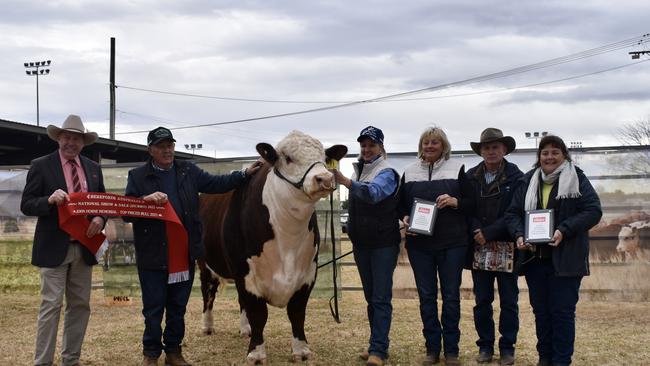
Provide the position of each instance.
(535, 135)
(193, 147)
(34, 69)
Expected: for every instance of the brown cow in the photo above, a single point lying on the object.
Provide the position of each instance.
(264, 235)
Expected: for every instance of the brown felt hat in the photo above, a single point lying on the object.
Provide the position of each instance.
(491, 135)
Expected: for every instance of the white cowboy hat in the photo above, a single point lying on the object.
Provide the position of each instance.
(73, 124)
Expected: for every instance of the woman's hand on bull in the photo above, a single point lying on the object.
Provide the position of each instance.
(253, 168)
(158, 198)
(557, 238)
(340, 178)
(445, 200)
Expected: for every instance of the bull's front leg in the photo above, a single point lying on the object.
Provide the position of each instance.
(209, 286)
(296, 310)
(256, 311)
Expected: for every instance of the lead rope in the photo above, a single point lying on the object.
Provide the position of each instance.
(335, 310)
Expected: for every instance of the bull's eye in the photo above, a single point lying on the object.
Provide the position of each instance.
(288, 160)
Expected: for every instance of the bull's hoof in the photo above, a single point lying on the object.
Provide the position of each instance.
(257, 356)
(256, 362)
(207, 322)
(301, 358)
(245, 332)
(300, 351)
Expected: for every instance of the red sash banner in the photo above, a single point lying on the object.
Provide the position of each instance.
(73, 220)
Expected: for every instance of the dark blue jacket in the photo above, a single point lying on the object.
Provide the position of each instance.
(149, 235)
(573, 217)
(493, 228)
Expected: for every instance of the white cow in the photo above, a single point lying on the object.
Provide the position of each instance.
(631, 241)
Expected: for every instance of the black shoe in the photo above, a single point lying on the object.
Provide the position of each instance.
(484, 357)
(430, 359)
(452, 360)
(507, 359)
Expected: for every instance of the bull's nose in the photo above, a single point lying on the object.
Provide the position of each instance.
(325, 180)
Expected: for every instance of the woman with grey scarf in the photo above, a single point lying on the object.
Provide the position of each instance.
(554, 270)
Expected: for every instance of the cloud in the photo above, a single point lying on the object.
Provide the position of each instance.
(323, 51)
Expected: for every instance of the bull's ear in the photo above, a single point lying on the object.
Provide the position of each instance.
(267, 152)
(336, 152)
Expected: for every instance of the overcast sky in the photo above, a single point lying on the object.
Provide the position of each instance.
(327, 51)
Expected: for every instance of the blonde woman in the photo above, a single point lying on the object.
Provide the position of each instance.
(434, 177)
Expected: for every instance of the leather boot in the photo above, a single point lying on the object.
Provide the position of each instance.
(149, 361)
(175, 359)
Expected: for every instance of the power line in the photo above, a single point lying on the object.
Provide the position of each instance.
(370, 101)
(518, 70)
(521, 86)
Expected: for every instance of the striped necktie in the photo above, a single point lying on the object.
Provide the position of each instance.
(76, 183)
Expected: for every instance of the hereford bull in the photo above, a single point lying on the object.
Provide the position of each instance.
(264, 236)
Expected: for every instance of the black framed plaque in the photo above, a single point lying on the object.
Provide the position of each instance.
(539, 226)
(423, 217)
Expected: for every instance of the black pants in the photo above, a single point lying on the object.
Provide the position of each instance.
(158, 298)
(554, 302)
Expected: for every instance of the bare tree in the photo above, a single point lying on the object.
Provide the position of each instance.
(635, 134)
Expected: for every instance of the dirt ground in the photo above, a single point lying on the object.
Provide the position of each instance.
(608, 333)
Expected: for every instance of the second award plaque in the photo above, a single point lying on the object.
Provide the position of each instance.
(539, 226)
(423, 217)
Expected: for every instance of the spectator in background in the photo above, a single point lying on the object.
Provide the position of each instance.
(555, 270)
(493, 181)
(374, 231)
(65, 264)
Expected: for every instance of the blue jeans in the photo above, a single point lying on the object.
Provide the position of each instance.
(483, 312)
(427, 265)
(158, 298)
(376, 267)
(554, 302)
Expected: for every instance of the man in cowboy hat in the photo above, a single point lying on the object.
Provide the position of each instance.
(493, 181)
(65, 265)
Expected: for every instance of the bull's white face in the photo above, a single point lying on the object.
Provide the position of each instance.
(628, 240)
(296, 154)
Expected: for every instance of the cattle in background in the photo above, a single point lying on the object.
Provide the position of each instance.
(604, 237)
(264, 236)
(634, 241)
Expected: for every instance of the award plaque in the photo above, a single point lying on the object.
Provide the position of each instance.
(539, 226)
(423, 216)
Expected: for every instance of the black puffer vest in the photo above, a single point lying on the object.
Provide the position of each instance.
(373, 225)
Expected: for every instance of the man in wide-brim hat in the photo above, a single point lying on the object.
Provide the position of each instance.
(494, 135)
(72, 124)
(493, 181)
(65, 265)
